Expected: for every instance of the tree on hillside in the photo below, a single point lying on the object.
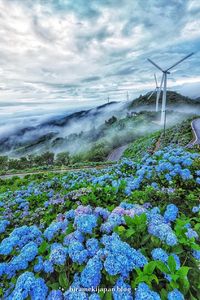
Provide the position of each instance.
(3, 162)
(62, 158)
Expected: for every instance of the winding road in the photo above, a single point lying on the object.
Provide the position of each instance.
(116, 154)
(196, 130)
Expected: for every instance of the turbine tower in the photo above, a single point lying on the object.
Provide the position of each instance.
(157, 91)
(164, 80)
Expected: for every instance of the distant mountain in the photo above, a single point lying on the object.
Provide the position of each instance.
(174, 100)
(53, 132)
(114, 123)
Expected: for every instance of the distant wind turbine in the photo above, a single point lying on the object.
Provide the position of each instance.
(127, 96)
(157, 91)
(164, 80)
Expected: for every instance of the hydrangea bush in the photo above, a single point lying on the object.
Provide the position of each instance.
(117, 233)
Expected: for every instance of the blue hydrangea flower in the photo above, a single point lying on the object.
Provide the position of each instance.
(70, 214)
(58, 254)
(74, 292)
(39, 265)
(198, 180)
(94, 297)
(121, 258)
(28, 285)
(92, 245)
(196, 209)
(171, 212)
(77, 252)
(196, 254)
(19, 237)
(175, 295)
(157, 226)
(191, 233)
(20, 262)
(54, 228)
(48, 266)
(75, 236)
(122, 290)
(55, 295)
(3, 225)
(91, 275)
(143, 292)
(85, 223)
(159, 254)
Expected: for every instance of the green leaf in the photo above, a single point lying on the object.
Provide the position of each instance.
(129, 221)
(162, 267)
(174, 285)
(107, 296)
(63, 281)
(163, 294)
(154, 277)
(130, 232)
(43, 247)
(54, 286)
(178, 249)
(150, 267)
(172, 264)
(183, 271)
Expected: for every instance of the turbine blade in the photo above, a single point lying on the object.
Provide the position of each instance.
(156, 80)
(153, 63)
(178, 62)
(151, 94)
(160, 88)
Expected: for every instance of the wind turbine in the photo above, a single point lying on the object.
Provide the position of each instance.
(127, 96)
(157, 91)
(164, 80)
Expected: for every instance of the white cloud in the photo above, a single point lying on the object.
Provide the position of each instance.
(69, 55)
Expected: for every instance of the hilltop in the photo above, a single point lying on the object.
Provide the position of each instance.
(174, 100)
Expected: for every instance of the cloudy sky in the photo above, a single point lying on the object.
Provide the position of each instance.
(62, 53)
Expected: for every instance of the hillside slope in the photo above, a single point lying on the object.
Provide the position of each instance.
(180, 134)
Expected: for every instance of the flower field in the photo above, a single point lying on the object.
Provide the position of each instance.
(130, 231)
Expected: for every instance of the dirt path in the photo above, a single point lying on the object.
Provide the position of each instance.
(116, 154)
(21, 175)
